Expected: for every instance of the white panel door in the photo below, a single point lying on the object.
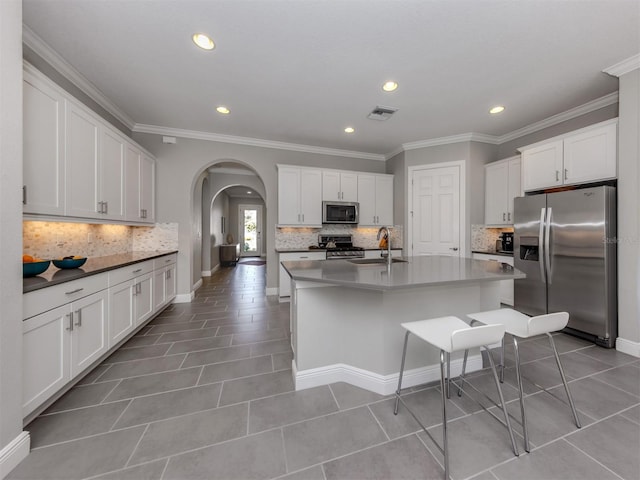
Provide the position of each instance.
(496, 194)
(82, 168)
(45, 356)
(311, 197)
(89, 340)
(288, 196)
(159, 288)
(331, 186)
(349, 187)
(170, 283)
(43, 149)
(436, 211)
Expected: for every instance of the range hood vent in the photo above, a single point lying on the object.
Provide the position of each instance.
(382, 113)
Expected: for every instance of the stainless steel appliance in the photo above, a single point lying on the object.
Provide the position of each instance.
(506, 240)
(340, 212)
(339, 247)
(565, 243)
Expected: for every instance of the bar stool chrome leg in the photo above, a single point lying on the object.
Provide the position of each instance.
(520, 392)
(502, 403)
(448, 355)
(502, 361)
(445, 445)
(564, 381)
(404, 355)
(464, 368)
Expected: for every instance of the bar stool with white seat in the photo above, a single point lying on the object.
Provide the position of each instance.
(450, 334)
(520, 325)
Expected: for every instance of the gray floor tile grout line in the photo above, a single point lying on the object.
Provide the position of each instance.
(592, 458)
(334, 397)
(632, 420)
(378, 422)
(199, 375)
(610, 384)
(110, 472)
(133, 451)
(284, 450)
(120, 416)
(164, 470)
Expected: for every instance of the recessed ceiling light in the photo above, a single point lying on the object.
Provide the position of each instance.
(497, 109)
(248, 192)
(223, 110)
(389, 86)
(203, 41)
(349, 130)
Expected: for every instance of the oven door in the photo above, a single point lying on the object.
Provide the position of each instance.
(340, 212)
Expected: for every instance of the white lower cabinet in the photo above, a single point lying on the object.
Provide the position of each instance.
(60, 344)
(284, 289)
(70, 326)
(506, 286)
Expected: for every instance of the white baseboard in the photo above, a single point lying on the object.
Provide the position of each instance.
(205, 273)
(271, 291)
(185, 297)
(15, 451)
(628, 347)
(380, 384)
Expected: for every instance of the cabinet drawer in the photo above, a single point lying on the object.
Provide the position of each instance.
(163, 261)
(130, 271)
(495, 258)
(45, 299)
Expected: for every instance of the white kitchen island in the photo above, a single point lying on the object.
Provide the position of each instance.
(345, 317)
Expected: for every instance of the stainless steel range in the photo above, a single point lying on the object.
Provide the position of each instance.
(339, 247)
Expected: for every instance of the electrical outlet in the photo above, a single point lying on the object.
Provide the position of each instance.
(89, 237)
(60, 239)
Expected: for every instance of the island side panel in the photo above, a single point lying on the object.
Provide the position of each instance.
(359, 329)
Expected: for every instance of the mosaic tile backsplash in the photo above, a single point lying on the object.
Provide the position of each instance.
(483, 239)
(49, 240)
(288, 237)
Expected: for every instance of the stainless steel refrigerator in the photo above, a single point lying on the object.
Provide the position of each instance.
(565, 243)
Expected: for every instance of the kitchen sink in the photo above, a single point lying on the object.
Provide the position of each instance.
(375, 261)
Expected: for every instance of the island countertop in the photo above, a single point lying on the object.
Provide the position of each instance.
(422, 271)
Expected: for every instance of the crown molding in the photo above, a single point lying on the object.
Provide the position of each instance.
(588, 107)
(463, 137)
(35, 43)
(253, 142)
(625, 66)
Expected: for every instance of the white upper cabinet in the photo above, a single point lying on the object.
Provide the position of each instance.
(75, 164)
(375, 195)
(111, 175)
(82, 168)
(502, 185)
(339, 186)
(584, 156)
(43, 148)
(299, 196)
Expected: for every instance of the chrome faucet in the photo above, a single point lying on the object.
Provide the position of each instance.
(388, 234)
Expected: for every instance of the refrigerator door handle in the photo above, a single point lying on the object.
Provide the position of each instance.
(543, 211)
(547, 252)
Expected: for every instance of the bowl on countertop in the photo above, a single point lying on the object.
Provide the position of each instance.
(69, 262)
(31, 269)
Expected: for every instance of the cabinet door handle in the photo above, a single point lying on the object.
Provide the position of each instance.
(566, 173)
(168, 276)
(74, 291)
(557, 176)
(78, 318)
(70, 327)
(455, 249)
(504, 217)
(24, 194)
(303, 257)
(509, 216)
(137, 271)
(106, 207)
(303, 218)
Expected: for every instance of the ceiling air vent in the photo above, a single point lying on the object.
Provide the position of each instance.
(382, 113)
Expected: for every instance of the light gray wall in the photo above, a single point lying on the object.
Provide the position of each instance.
(509, 149)
(10, 220)
(628, 208)
(206, 226)
(219, 209)
(179, 165)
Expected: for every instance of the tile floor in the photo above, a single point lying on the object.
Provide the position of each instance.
(205, 392)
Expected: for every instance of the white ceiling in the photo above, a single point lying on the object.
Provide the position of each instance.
(300, 71)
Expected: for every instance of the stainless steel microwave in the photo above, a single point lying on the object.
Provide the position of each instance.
(340, 212)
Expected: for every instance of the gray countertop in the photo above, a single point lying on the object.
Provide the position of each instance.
(295, 250)
(93, 266)
(486, 252)
(423, 271)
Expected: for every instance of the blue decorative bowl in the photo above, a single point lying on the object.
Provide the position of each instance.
(31, 269)
(69, 262)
